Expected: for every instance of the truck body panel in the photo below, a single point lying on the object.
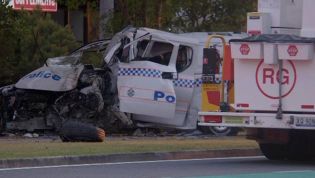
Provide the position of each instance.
(273, 81)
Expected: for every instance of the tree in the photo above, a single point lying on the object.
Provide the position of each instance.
(181, 15)
(139, 13)
(75, 4)
(27, 39)
(211, 15)
(7, 42)
(91, 14)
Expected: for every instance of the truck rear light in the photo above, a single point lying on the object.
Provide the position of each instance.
(307, 106)
(243, 105)
(212, 119)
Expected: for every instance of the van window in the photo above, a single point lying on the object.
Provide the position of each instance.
(184, 58)
(158, 52)
(141, 46)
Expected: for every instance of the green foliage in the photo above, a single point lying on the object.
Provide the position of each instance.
(27, 39)
(212, 15)
(75, 4)
(139, 13)
(92, 58)
(181, 15)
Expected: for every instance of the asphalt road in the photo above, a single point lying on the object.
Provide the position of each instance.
(246, 167)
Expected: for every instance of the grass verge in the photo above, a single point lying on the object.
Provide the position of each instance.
(28, 148)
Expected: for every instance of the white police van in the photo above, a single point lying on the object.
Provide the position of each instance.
(159, 76)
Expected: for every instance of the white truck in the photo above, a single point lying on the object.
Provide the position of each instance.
(149, 78)
(270, 92)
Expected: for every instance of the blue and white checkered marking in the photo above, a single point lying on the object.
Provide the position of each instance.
(186, 83)
(198, 82)
(142, 72)
(183, 83)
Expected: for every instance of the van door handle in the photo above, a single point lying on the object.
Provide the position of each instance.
(169, 75)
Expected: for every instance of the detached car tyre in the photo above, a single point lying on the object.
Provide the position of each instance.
(73, 131)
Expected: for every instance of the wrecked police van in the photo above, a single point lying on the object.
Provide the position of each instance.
(148, 78)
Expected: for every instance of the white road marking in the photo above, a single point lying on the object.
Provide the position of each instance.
(132, 162)
(296, 171)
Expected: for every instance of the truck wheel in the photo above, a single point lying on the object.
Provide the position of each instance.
(299, 153)
(219, 131)
(273, 151)
(72, 131)
(299, 147)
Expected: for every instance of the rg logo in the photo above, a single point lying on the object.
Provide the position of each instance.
(268, 79)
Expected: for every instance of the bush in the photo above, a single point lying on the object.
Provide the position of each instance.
(27, 39)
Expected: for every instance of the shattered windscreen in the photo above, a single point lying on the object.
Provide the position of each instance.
(92, 53)
(67, 61)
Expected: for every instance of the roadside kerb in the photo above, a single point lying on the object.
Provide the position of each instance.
(112, 158)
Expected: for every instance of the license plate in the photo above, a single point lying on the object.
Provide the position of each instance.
(305, 121)
(233, 120)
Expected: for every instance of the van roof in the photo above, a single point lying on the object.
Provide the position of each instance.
(203, 36)
(171, 36)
